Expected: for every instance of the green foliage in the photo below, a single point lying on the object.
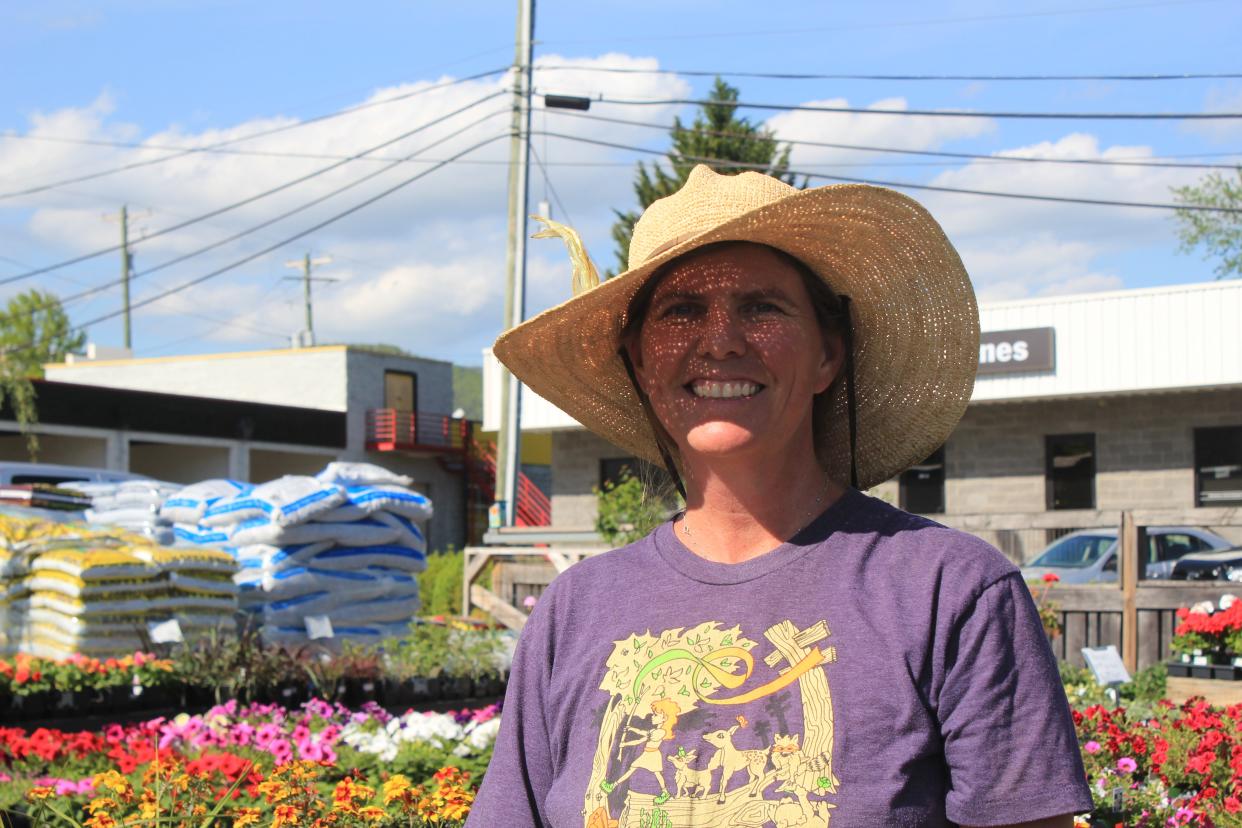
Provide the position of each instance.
(1141, 693)
(718, 134)
(468, 391)
(627, 511)
(1219, 234)
(441, 585)
(34, 329)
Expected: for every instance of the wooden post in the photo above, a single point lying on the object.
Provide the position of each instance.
(1131, 560)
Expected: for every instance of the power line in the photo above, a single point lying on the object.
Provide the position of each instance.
(556, 197)
(909, 185)
(288, 213)
(630, 70)
(249, 137)
(251, 199)
(301, 234)
(932, 113)
(978, 18)
(938, 154)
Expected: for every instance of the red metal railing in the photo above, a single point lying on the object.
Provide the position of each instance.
(533, 506)
(389, 429)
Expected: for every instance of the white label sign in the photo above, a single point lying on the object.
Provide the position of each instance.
(318, 626)
(165, 632)
(1106, 664)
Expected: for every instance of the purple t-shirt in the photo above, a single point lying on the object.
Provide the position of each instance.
(877, 669)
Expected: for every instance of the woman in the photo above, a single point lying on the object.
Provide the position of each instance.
(832, 657)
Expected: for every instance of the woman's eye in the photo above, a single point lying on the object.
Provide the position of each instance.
(679, 309)
(762, 307)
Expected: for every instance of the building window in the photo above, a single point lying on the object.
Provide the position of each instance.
(1218, 466)
(400, 390)
(1070, 471)
(922, 486)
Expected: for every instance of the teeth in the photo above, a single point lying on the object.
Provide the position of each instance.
(725, 390)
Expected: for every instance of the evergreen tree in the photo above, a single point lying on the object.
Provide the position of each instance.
(717, 134)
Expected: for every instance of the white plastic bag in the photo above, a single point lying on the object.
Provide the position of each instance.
(187, 505)
(286, 501)
(361, 474)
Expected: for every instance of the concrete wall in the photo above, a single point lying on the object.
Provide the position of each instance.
(178, 463)
(269, 464)
(305, 377)
(61, 449)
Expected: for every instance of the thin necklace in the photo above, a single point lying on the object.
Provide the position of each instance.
(810, 515)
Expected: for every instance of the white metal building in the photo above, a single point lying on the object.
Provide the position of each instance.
(1085, 405)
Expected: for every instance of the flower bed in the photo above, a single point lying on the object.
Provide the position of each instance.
(252, 763)
(1209, 634)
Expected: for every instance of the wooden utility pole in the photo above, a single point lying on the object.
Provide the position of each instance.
(126, 268)
(1131, 560)
(306, 263)
(509, 439)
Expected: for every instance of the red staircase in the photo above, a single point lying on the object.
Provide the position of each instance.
(533, 506)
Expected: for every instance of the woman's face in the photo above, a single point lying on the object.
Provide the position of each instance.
(731, 354)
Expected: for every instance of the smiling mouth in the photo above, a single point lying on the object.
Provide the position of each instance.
(714, 389)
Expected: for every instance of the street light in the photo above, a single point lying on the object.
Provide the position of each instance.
(566, 102)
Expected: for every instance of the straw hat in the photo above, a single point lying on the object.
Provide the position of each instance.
(916, 324)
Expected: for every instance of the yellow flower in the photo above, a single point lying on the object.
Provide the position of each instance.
(245, 817)
(274, 790)
(112, 781)
(40, 793)
(396, 788)
(373, 813)
(149, 806)
(103, 803)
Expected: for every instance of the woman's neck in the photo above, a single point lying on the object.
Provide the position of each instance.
(739, 508)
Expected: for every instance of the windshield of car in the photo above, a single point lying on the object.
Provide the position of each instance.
(1075, 551)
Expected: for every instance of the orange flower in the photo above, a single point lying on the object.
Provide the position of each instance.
(285, 815)
(40, 792)
(373, 813)
(100, 820)
(246, 817)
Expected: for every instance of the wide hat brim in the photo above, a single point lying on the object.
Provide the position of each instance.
(916, 329)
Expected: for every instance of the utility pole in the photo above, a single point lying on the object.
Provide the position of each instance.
(305, 264)
(508, 452)
(126, 269)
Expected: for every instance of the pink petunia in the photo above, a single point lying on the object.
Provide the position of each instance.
(1127, 765)
(1092, 747)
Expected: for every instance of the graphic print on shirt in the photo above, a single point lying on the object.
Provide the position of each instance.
(707, 727)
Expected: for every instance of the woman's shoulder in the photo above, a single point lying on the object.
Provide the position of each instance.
(924, 542)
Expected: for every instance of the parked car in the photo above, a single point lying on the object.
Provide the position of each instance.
(1225, 565)
(1091, 555)
(53, 474)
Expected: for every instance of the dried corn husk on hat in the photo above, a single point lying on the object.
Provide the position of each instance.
(915, 321)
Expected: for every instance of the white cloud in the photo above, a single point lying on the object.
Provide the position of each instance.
(894, 132)
(1219, 131)
(1041, 265)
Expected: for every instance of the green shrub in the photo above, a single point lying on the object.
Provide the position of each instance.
(627, 511)
(440, 586)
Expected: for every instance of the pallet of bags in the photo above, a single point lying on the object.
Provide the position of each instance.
(99, 595)
(346, 544)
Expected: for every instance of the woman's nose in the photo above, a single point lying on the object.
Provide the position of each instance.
(722, 335)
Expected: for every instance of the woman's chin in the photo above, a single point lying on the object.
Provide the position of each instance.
(720, 439)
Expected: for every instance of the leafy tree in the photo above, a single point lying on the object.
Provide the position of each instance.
(629, 510)
(1219, 233)
(717, 133)
(34, 329)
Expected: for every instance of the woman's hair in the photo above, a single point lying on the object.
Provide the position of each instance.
(829, 313)
(671, 711)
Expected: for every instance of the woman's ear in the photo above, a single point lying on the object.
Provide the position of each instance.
(833, 361)
(635, 353)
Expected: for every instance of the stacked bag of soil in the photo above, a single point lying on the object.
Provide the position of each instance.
(133, 505)
(338, 551)
(69, 588)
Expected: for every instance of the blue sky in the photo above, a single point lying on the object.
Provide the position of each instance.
(424, 268)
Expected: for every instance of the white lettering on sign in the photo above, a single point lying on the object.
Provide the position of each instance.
(990, 352)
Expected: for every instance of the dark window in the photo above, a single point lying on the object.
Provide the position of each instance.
(1175, 544)
(1069, 471)
(1218, 466)
(922, 486)
(400, 390)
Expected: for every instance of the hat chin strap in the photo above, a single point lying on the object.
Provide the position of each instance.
(850, 394)
(850, 399)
